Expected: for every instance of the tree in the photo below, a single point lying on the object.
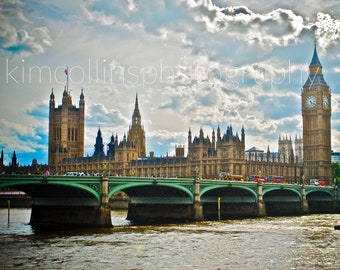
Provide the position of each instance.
(336, 171)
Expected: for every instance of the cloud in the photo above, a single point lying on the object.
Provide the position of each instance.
(17, 33)
(99, 17)
(97, 115)
(327, 30)
(39, 111)
(23, 138)
(279, 27)
(163, 142)
(111, 14)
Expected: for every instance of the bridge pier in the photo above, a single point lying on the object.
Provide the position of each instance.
(304, 202)
(104, 219)
(63, 216)
(197, 206)
(261, 206)
(45, 216)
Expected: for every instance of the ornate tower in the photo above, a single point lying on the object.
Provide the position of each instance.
(99, 146)
(111, 148)
(14, 160)
(285, 149)
(136, 132)
(298, 149)
(66, 129)
(316, 119)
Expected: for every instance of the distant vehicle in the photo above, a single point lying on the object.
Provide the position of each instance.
(234, 177)
(74, 174)
(257, 178)
(222, 175)
(316, 182)
(276, 179)
(322, 183)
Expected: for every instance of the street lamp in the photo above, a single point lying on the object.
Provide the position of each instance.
(197, 169)
(104, 167)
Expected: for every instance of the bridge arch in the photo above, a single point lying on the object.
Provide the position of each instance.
(56, 189)
(154, 192)
(281, 194)
(320, 195)
(228, 194)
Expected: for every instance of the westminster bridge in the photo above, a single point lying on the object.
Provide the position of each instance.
(83, 201)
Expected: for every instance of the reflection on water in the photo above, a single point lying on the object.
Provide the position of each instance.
(306, 242)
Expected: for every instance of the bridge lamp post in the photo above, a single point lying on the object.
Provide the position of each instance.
(104, 167)
(197, 169)
(303, 179)
(37, 169)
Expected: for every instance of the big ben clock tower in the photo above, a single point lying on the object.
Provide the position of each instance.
(316, 118)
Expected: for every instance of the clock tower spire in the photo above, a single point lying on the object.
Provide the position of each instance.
(316, 119)
(136, 132)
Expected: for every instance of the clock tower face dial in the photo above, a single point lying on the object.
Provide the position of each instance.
(325, 102)
(310, 101)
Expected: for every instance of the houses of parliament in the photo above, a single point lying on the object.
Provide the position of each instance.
(207, 156)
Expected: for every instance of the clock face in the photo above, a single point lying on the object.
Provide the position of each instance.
(325, 102)
(310, 101)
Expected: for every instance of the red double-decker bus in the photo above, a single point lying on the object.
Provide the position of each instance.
(276, 179)
(257, 178)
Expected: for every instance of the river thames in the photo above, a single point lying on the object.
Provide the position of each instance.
(303, 242)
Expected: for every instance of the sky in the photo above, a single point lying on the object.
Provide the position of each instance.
(193, 64)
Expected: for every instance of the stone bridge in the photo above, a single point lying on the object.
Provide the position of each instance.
(82, 201)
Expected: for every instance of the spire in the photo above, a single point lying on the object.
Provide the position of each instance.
(315, 60)
(136, 118)
(82, 94)
(52, 95)
(243, 136)
(82, 99)
(315, 72)
(52, 102)
(99, 146)
(14, 160)
(201, 133)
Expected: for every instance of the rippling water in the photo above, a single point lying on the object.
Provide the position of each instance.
(306, 242)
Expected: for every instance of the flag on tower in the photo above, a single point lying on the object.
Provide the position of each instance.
(66, 72)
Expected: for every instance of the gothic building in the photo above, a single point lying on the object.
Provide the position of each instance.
(66, 129)
(118, 156)
(224, 152)
(206, 157)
